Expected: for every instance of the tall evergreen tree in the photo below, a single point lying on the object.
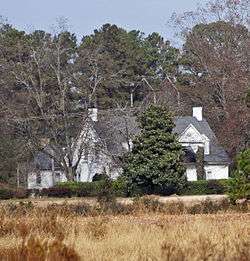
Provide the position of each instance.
(154, 164)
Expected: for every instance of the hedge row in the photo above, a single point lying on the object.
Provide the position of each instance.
(67, 189)
(205, 187)
(88, 189)
(81, 189)
(7, 193)
(93, 189)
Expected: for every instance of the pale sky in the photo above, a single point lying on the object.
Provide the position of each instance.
(84, 16)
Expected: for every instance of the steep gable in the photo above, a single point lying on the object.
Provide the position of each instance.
(191, 134)
(216, 154)
(193, 138)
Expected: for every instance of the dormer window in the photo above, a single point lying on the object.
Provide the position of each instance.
(38, 179)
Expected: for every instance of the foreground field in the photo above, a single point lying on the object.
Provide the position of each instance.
(145, 232)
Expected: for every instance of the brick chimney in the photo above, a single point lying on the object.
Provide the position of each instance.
(197, 113)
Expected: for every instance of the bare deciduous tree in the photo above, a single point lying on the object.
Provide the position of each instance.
(216, 67)
(43, 74)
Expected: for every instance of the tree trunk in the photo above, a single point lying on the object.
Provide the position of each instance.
(200, 164)
(18, 175)
(70, 174)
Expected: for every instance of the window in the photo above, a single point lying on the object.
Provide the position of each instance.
(79, 176)
(38, 178)
(209, 174)
(57, 176)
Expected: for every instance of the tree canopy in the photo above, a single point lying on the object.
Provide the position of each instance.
(52, 78)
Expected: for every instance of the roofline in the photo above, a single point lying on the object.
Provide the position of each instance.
(208, 163)
(217, 162)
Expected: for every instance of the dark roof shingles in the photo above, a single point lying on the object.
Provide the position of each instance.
(114, 130)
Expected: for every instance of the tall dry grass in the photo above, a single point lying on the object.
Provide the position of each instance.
(146, 231)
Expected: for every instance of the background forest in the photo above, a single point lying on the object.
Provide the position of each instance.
(46, 75)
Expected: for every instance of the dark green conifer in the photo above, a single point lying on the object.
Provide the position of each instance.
(154, 164)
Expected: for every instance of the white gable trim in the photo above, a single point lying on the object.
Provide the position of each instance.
(190, 126)
(192, 137)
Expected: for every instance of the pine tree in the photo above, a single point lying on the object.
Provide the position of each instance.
(154, 164)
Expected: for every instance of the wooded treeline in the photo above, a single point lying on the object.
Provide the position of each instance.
(46, 79)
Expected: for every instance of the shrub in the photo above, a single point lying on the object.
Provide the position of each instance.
(56, 192)
(9, 193)
(216, 186)
(87, 189)
(98, 177)
(175, 208)
(208, 206)
(6, 193)
(93, 189)
(71, 185)
(21, 193)
(239, 185)
(79, 189)
(120, 187)
(148, 204)
(205, 187)
(106, 198)
(105, 194)
(33, 192)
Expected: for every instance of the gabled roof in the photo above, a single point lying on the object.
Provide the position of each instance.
(217, 153)
(42, 161)
(115, 130)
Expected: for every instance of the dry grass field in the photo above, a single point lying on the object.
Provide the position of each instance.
(146, 230)
(186, 200)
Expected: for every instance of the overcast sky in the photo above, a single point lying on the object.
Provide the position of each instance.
(86, 15)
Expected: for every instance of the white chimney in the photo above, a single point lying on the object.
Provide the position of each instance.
(197, 113)
(92, 113)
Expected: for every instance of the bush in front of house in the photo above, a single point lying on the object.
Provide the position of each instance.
(58, 192)
(93, 189)
(21, 193)
(6, 193)
(9, 193)
(120, 188)
(87, 189)
(239, 185)
(205, 187)
(155, 162)
(79, 189)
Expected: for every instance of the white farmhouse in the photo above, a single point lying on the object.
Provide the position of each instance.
(112, 136)
(194, 132)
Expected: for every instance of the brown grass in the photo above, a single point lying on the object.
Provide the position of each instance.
(146, 231)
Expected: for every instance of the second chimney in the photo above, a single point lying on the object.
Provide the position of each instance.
(197, 113)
